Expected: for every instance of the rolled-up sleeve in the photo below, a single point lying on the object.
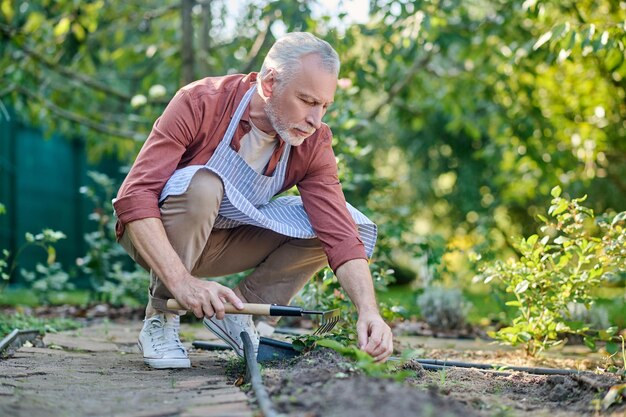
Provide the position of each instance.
(325, 205)
(171, 134)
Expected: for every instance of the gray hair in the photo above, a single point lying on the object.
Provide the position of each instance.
(286, 54)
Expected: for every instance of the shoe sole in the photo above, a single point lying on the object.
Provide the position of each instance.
(169, 363)
(213, 327)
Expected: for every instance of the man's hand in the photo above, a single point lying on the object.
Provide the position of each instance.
(204, 298)
(375, 336)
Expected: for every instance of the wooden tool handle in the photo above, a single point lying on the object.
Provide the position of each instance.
(248, 308)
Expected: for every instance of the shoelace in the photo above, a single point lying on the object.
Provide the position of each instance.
(246, 323)
(169, 340)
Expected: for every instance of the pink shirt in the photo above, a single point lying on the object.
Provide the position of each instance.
(188, 132)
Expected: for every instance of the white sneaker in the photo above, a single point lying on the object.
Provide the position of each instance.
(160, 344)
(230, 328)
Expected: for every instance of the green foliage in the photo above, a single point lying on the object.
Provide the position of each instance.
(323, 292)
(366, 363)
(106, 261)
(46, 280)
(451, 119)
(46, 277)
(10, 322)
(575, 254)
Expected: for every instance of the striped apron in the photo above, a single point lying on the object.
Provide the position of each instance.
(248, 194)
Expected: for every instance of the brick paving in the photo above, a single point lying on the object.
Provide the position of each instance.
(98, 371)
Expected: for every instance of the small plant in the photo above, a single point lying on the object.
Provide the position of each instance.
(575, 255)
(46, 277)
(105, 260)
(443, 308)
(323, 292)
(46, 280)
(366, 363)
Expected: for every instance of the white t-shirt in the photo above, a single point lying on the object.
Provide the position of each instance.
(257, 147)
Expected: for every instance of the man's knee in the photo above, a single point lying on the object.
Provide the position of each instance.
(204, 194)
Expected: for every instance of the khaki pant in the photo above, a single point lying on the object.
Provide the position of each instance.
(282, 265)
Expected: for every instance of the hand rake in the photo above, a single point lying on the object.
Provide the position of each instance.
(327, 322)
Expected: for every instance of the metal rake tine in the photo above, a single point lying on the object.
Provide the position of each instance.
(326, 326)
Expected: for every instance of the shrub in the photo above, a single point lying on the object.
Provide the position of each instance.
(46, 277)
(105, 260)
(443, 308)
(576, 254)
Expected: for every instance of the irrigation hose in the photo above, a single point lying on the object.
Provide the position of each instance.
(436, 364)
(254, 375)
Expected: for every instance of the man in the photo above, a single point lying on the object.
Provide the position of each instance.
(198, 202)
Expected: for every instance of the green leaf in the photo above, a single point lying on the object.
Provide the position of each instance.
(514, 303)
(521, 287)
(560, 30)
(78, 31)
(542, 40)
(298, 345)
(52, 255)
(561, 239)
(590, 342)
(334, 345)
(612, 348)
(62, 27)
(532, 240)
(7, 10)
(555, 192)
(559, 208)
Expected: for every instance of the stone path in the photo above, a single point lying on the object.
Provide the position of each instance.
(98, 371)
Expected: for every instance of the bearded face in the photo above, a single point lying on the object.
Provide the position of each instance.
(297, 104)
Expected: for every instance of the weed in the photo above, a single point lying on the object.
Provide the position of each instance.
(442, 377)
(366, 363)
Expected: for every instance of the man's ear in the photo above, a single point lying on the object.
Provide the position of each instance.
(268, 83)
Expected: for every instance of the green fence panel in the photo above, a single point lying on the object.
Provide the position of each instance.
(40, 180)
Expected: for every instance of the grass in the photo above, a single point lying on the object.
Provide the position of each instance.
(10, 322)
(13, 297)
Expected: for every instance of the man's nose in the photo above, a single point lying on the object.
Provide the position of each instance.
(314, 117)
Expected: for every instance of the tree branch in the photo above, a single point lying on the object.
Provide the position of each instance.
(261, 40)
(83, 79)
(400, 84)
(76, 118)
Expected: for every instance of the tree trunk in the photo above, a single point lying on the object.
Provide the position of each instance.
(205, 39)
(187, 42)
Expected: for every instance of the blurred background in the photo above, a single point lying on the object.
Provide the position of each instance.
(453, 122)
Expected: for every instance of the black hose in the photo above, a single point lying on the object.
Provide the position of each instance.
(537, 371)
(254, 375)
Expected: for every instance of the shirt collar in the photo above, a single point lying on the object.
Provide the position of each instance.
(244, 85)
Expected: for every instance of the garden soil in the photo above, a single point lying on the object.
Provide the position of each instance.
(322, 383)
(98, 371)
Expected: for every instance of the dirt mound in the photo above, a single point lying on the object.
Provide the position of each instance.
(322, 383)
